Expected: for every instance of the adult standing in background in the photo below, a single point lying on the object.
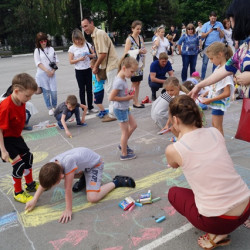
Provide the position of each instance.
(79, 55)
(228, 33)
(106, 58)
(198, 31)
(161, 42)
(173, 33)
(212, 31)
(135, 41)
(188, 51)
(46, 60)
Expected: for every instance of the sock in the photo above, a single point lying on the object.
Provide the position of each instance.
(17, 185)
(28, 176)
(116, 182)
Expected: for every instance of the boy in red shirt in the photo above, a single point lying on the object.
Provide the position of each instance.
(12, 146)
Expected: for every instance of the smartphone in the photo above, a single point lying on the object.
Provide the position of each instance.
(214, 28)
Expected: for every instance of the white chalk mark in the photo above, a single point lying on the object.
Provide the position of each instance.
(24, 231)
(167, 237)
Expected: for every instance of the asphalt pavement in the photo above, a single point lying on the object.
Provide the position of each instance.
(105, 225)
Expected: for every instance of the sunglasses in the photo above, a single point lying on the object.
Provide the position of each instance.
(190, 29)
(43, 41)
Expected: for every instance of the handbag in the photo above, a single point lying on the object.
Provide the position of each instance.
(243, 131)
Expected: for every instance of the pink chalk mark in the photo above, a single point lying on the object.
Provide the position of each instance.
(73, 237)
(169, 210)
(147, 234)
(114, 248)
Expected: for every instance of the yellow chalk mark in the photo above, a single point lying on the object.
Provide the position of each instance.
(39, 156)
(45, 214)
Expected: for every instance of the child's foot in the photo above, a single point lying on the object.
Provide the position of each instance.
(79, 185)
(124, 181)
(27, 128)
(127, 157)
(60, 125)
(211, 241)
(81, 124)
(103, 113)
(32, 187)
(129, 150)
(23, 197)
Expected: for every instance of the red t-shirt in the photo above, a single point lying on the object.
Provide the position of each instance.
(12, 118)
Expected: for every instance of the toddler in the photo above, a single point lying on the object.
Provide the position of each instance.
(66, 109)
(98, 89)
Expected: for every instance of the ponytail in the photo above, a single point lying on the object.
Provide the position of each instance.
(218, 47)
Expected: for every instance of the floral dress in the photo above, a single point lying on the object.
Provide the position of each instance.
(140, 58)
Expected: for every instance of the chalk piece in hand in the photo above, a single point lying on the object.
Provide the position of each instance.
(161, 219)
(163, 131)
(70, 137)
(26, 211)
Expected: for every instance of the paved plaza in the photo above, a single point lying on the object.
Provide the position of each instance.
(105, 225)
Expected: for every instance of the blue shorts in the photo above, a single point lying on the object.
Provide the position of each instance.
(98, 97)
(122, 115)
(217, 112)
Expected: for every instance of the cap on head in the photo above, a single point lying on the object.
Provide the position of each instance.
(196, 74)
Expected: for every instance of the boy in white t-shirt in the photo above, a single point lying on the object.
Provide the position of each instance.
(77, 162)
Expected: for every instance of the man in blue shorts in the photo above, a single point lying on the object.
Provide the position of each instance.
(158, 71)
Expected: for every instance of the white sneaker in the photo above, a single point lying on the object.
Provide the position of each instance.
(51, 112)
(94, 110)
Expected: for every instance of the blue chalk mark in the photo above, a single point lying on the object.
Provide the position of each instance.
(8, 218)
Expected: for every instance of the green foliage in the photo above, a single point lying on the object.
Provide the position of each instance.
(21, 20)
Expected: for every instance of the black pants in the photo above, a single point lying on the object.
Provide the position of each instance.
(84, 80)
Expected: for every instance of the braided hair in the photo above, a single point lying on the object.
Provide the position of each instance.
(185, 108)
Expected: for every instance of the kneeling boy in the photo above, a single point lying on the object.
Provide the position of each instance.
(74, 163)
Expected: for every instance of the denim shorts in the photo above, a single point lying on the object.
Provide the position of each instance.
(217, 112)
(122, 115)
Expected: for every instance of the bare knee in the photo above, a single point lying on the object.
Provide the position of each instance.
(92, 198)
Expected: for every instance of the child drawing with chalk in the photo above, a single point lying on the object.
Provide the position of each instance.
(77, 162)
(159, 110)
(218, 98)
(66, 109)
(12, 145)
(121, 96)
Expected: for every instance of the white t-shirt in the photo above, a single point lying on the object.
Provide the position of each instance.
(163, 46)
(40, 57)
(228, 36)
(198, 30)
(79, 52)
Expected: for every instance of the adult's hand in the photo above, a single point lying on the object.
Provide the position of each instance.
(95, 70)
(194, 92)
(243, 78)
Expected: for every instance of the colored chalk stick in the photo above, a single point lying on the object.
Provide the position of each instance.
(131, 208)
(138, 204)
(156, 199)
(26, 211)
(161, 219)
